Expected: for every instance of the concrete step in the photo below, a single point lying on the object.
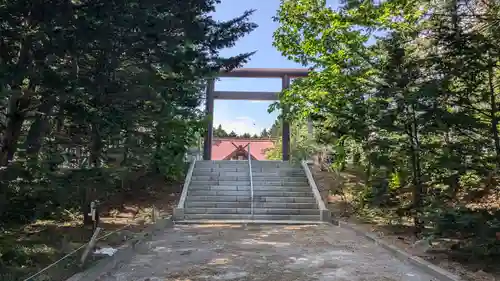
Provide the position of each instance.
(250, 222)
(284, 199)
(218, 211)
(244, 175)
(200, 172)
(257, 194)
(243, 182)
(221, 178)
(274, 205)
(278, 174)
(223, 170)
(219, 182)
(257, 211)
(220, 190)
(220, 198)
(208, 204)
(280, 179)
(272, 211)
(248, 217)
(256, 189)
(278, 205)
(279, 183)
(260, 193)
(219, 193)
(276, 170)
(216, 187)
(243, 198)
(220, 187)
(282, 188)
(288, 217)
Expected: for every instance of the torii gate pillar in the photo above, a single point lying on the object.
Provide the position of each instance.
(209, 111)
(286, 125)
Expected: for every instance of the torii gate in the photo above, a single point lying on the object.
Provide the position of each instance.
(284, 74)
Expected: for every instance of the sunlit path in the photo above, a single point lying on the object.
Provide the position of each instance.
(278, 253)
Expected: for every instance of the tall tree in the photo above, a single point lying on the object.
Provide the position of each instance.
(414, 85)
(105, 88)
(220, 132)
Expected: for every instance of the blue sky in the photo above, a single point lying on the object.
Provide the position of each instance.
(250, 116)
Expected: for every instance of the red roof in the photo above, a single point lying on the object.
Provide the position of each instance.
(221, 148)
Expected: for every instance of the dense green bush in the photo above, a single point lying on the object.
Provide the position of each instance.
(97, 94)
(406, 91)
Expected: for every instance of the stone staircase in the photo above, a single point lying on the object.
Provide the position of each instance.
(221, 190)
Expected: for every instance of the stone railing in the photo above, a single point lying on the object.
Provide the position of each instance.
(324, 212)
(179, 210)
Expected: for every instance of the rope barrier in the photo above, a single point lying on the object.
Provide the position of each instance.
(54, 263)
(72, 252)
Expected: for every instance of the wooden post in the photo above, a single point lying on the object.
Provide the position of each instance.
(90, 246)
(209, 110)
(286, 125)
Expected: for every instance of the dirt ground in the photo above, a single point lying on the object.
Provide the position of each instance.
(398, 234)
(39, 244)
(262, 252)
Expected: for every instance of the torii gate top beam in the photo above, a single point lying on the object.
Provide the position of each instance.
(266, 73)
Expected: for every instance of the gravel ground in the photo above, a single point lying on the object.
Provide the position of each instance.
(266, 252)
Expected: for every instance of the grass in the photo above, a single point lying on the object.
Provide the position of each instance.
(28, 248)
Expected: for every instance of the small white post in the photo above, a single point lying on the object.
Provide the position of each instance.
(154, 214)
(310, 128)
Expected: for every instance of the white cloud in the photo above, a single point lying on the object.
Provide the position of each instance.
(240, 125)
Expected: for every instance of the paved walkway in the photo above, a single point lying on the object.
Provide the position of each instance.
(270, 253)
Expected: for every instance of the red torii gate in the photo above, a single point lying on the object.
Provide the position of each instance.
(283, 73)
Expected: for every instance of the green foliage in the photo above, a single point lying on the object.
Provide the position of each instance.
(477, 230)
(98, 98)
(302, 147)
(95, 95)
(219, 132)
(409, 92)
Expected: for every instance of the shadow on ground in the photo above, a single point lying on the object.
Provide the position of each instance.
(24, 250)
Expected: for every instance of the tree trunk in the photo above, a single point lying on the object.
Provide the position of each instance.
(19, 102)
(95, 159)
(15, 119)
(10, 138)
(96, 147)
(418, 189)
(39, 129)
(494, 116)
(126, 145)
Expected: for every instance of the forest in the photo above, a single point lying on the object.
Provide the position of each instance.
(96, 96)
(406, 94)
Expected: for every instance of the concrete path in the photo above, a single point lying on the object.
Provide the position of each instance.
(267, 252)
